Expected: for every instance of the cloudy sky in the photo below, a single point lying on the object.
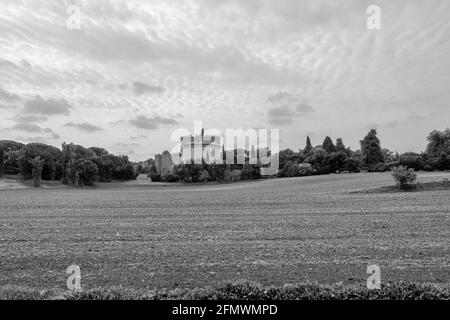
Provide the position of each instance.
(137, 70)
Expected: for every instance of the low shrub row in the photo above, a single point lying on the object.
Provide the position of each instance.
(244, 290)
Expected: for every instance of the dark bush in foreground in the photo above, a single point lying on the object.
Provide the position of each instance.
(245, 290)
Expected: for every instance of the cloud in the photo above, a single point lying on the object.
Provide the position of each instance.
(28, 119)
(142, 88)
(143, 122)
(281, 115)
(285, 107)
(8, 96)
(6, 106)
(142, 136)
(38, 105)
(303, 107)
(280, 96)
(84, 126)
(386, 125)
(31, 128)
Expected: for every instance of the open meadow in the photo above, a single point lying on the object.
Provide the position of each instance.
(275, 231)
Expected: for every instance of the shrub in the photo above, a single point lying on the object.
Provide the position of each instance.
(155, 177)
(250, 172)
(412, 160)
(353, 164)
(380, 167)
(203, 176)
(305, 169)
(403, 176)
(171, 178)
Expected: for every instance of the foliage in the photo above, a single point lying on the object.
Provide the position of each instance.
(217, 171)
(292, 169)
(437, 153)
(371, 149)
(155, 177)
(51, 156)
(250, 172)
(37, 164)
(412, 160)
(99, 152)
(340, 147)
(353, 164)
(203, 176)
(403, 176)
(308, 146)
(2, 167)
(328, 145)
(379, 167)
(242, 290)
(87, 172)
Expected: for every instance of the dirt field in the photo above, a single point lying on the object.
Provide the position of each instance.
(272, 232)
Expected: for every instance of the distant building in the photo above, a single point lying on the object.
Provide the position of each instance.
(193, 148)
(163, 163)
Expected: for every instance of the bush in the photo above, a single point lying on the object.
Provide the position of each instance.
(412, 160)
(155, 177)
(403, 176)
(380, 167)
(250, 172)
(305, 169)
(171, 178)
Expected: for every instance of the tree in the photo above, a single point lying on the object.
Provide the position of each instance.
(390, 156)
(10, 156)
(404, 176)
(340, 147)
(328, 145)
(308, 146)
(2, 168)
(48, 154)
(438, 149)
(37, 164)
(412, 160)
(438, 142)
(99, 151)
(372, 154)
(87, 172)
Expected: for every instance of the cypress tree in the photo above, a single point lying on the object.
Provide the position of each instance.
(308, 146)
(328, 145)
(372, 153)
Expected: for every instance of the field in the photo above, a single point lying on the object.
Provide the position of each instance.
(142, 235)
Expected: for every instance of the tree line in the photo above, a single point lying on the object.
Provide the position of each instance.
(72, 164)
(332, 157)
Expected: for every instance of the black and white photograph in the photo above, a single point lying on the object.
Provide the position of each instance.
(224, 150)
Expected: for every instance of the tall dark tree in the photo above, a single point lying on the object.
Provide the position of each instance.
(372, 152)
(1, 162)
(340, 145)
(328, 145)
(308, 146)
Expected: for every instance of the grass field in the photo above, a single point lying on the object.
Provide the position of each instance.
(277, 231)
